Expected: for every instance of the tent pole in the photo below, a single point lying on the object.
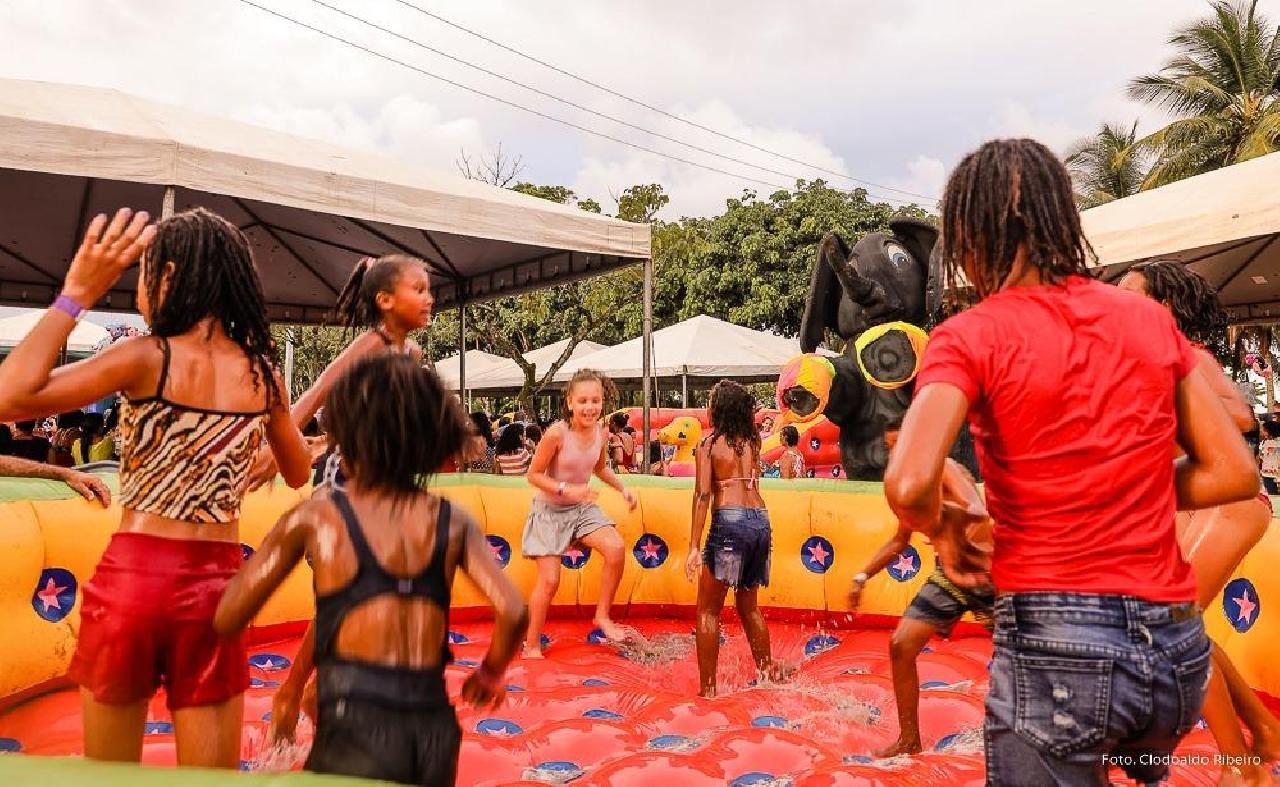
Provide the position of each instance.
(684, 388)
(647, 363)
(462, 352)
(170, 197)
(288, 364)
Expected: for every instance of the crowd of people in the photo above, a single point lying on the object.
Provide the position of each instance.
(1110, 443)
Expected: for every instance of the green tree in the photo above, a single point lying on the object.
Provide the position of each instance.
(1223, 82)
(752, 264)
(1107, 166)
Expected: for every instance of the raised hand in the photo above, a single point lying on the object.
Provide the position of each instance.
(105, 253)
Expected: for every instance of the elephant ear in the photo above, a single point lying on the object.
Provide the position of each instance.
(822, 307)
(920, 237)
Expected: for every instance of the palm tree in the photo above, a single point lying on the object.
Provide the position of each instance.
(1225, 82)
(1106, 166)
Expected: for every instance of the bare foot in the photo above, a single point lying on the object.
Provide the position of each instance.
(898, 747)
(616, 633)
(531, 652)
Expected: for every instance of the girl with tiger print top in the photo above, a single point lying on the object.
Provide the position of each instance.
(199, 396)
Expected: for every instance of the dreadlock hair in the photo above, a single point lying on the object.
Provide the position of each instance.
(394, 422)
(1193, 301)
(1007, 194)
(732, 415)
(212, 276)
(358, 302)
(608, 389)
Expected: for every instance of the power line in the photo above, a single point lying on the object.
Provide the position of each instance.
(507, 102)
(652, 108)
(564, 101)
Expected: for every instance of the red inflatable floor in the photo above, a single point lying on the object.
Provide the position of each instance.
(591, 715)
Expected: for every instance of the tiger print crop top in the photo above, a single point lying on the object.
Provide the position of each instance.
(182, 462)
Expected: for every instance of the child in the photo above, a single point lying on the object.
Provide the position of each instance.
(1269, 450)
(385, 299)
(512, 456)
(937, 607)
(564, 510)
(622, 446)
(197, 396)
(791, 463)
(738, 546)
(1214, 541)
(384, 553)
(1075, 391)
(657, 461)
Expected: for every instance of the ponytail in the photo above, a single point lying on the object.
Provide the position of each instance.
(357, 306)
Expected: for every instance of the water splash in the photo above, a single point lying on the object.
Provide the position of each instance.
(281, 756)
(660, 649)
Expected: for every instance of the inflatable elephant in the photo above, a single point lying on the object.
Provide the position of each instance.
(877, 295)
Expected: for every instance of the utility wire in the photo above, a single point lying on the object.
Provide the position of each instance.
(564, 101)
(507, 102)
(652, 108)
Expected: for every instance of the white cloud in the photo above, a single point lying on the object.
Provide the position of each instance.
(871, 89)
(925, 175)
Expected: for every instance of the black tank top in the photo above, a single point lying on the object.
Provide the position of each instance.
(398, 687)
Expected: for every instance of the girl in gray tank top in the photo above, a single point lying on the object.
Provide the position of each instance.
(564, 515)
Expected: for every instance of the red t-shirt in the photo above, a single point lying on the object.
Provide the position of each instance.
(1071, 400)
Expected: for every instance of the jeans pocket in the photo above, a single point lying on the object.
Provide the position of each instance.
(1192, 678)
(1061, 705)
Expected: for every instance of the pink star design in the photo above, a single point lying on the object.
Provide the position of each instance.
(905, 565)
(49, 596)
(496, 549)
(574, 554)
(649, 549)
(818, 554)
(1246, 606)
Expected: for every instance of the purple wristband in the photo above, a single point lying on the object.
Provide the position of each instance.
(66, 304)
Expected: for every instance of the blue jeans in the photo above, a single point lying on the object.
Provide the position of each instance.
(1081, 682)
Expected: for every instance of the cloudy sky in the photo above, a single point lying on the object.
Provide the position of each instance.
(890, 93)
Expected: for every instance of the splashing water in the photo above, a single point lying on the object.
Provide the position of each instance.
(660, 649)
(280, 756)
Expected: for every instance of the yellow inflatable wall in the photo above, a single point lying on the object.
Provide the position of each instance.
(824, 532)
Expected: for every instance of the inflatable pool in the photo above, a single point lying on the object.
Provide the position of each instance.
(590, 714)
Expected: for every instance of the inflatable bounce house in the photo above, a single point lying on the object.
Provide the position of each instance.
(590, 714)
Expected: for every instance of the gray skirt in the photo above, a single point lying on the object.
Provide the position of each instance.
(551, 528)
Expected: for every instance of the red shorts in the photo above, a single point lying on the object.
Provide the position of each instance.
(147, 621)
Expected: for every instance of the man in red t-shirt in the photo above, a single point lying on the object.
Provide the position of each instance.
(1078, 395)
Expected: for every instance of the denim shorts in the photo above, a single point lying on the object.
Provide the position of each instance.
(738, 546)
(1081, 682)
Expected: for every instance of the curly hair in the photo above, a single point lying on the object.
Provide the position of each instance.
(358, 302)
(609, 390)
(212, 276)
(394, 422)
(732, 414)
(1193, 301)
(1011, 193)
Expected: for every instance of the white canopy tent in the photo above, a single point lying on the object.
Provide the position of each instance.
(84, 340)
(1223, 224)
(507, 376)
(475, 363)
(308, 209)
(701, 348)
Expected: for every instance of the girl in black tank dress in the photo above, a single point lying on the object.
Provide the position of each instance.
(385, 299)
(384, 554)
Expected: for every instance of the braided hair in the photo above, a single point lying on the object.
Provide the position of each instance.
(212, 276)
(1193, 301)
(1007, 194)
(732, 411)
(357, 307)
